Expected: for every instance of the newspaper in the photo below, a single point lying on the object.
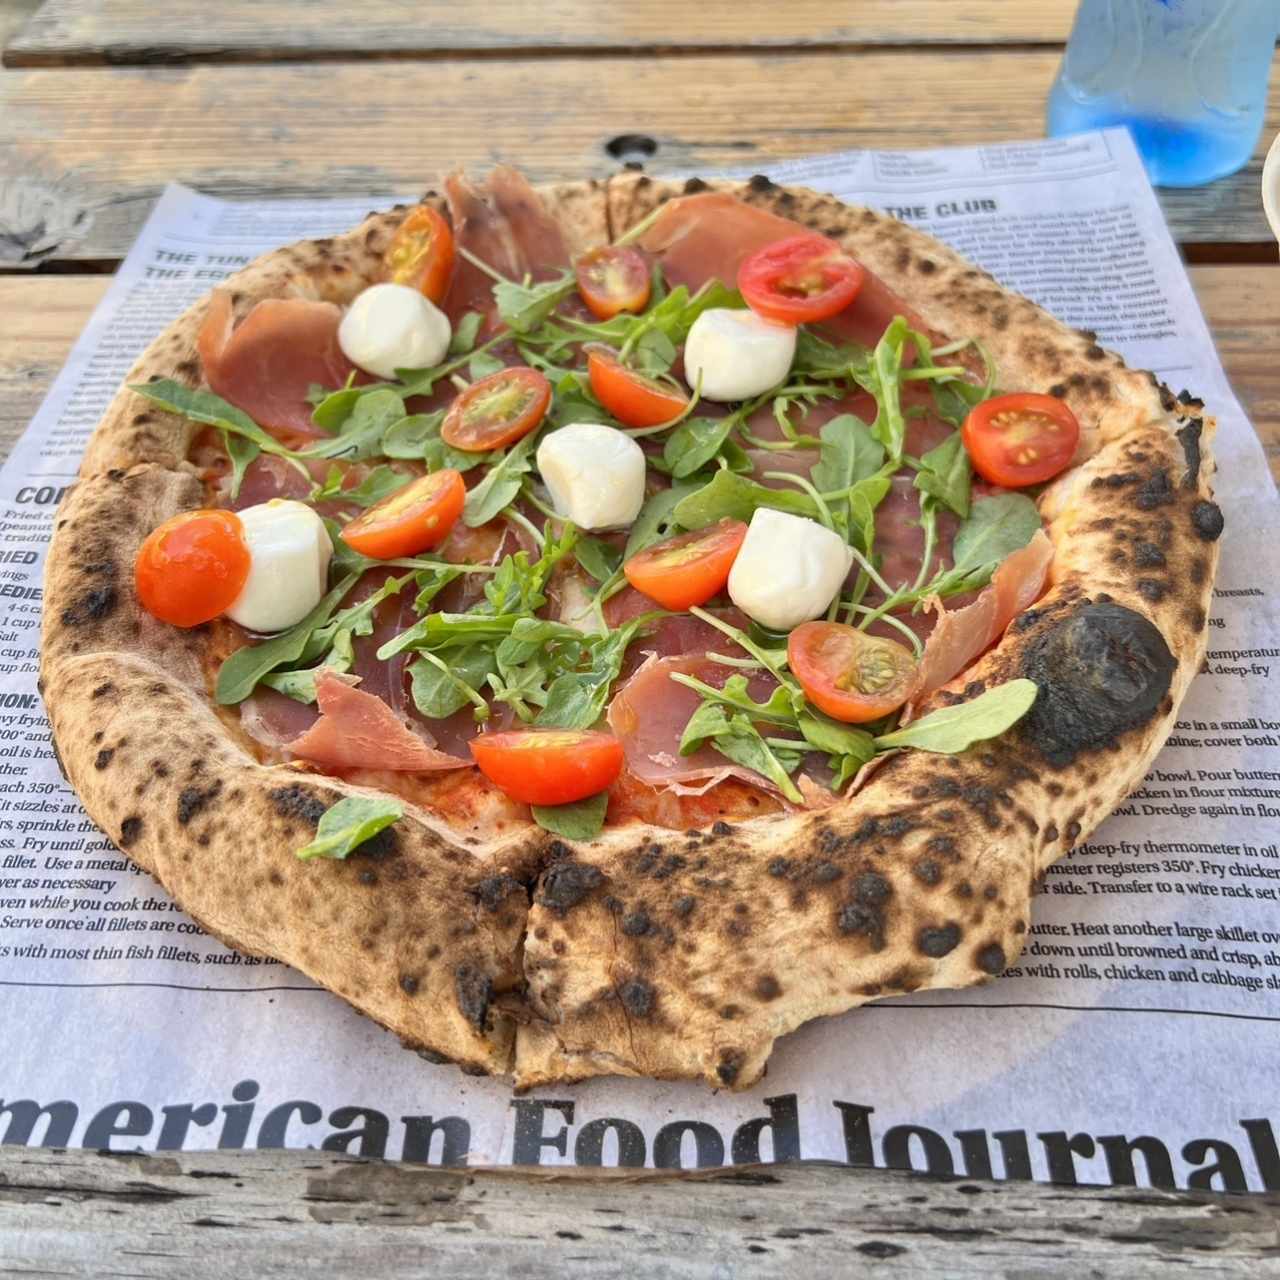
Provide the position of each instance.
(1133, 1041)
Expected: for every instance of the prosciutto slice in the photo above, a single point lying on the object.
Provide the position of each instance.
(649, 713)
(359, 731)
(536, 233)
(961, 635)
(266, 364)
(708, 236)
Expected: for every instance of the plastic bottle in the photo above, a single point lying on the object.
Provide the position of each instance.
(1189, 78)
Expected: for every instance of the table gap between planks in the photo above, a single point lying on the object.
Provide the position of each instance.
(102, 101)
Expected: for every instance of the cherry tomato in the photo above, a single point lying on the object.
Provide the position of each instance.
(421, 253)
(1020, 439)
(414, 518)
(613, 279)
(689, 569)
(192, 567)
(848, 674)
(636, 401)
(800, 280)
(549, 766)
(497, 410)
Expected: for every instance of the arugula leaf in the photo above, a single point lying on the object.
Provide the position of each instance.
(653, 354)
(301, 685)
(438, 693)
(884, 381)
(835, 739)
(573, 401)
(953, 729)
(483, 365)
(656, 520)
(242, 452)
(694, 443)
(240, 673)
(780, 709)
(362, 432)
(525, 307)
(520, 587)
(380, 483)
(465, 333)
(946, 474)
(732, 495)
(849, 453)
(502, 483)
(582, 820)
(735, 737)
(866, 496)
(996, 527)
(346, 825)
(438, 630)
(598, 558)
(417, 437)
(335, 408)
(431, 582)
(576, 699)
(212, 410)
(817, 358)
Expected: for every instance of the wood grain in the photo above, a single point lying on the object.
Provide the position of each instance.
(40, 318)
(75, 1213)
(14, 14)
(100, 143)
(79, 32)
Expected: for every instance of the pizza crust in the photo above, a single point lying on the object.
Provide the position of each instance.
(649, 952)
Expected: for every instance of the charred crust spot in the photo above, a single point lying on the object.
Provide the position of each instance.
(130, 830)
(778, 867)
(1094, 352)
(474, 991)
(1073, 831)
(297, 804)
(1152, 589)
(721, 829)
(367, 877)
(492, 891)
(902, 261)
(826, 872)
(872, 889)
(1101, 671)
(194, 800)
(759, 183)
(990, 959)
(926, 266)
(927, 871)
(767, 987)
(635, 924)
(566, 884)
(1196, 619)
(936, 943)
(694, 185)
(638, 997)
(1189, 438)
(94, 605)
(1146, 555)
(943, 845)
(684, 905)
(855, 919)
(408, 984)
(1206, 520)
(1199, 571)
(1051, 833)
(103, 758)
(1156, 491)
(730, 1065)
(103, 689)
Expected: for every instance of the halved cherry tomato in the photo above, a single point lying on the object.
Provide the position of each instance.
(690, 569)
(613, 279)
(420, 254)
(192, 567)
(636, 401)
(497, 410)
(1020, 439)
(848, 674)
(414, 518)
(549, 766)
(800, 280)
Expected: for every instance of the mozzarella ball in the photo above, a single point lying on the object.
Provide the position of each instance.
(789, 569)
(289, 552)
(737, 354)
(595, 474)
(390, 327)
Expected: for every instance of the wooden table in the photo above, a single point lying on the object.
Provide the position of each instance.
(103, 101)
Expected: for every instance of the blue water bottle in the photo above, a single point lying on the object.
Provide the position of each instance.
(1189, 78)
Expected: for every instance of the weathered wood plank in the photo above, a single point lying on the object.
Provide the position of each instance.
(81, 1214)
(79, 32)
(14, 14)
(98, 144)
(40, 317)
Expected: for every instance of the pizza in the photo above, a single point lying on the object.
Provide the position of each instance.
(597, 629)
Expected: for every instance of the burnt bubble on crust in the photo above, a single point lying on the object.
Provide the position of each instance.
(474, 991)
(567, 883)
(1207, 521)
(1102, 670)
(1189, 438)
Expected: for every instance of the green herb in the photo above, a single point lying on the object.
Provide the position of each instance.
(361, 433)
(440, 688)
(501, 485)
(582, 820)
(576, 699)
(730, 495)
(945, 474)
(335, 408)
(417, 437)
(953, 729)
(656, 520)
(484, 365)
(694, 443)
(465, 333)
(241, 452)
(996, 527)
(574, 401)
(301, 685)
(597, 558)
(525, 307)
(345, 826)
(213, 411)
(240, 674)
(735, 737)
(380, 483)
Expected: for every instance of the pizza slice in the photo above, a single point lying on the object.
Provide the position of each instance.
(598, 630)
